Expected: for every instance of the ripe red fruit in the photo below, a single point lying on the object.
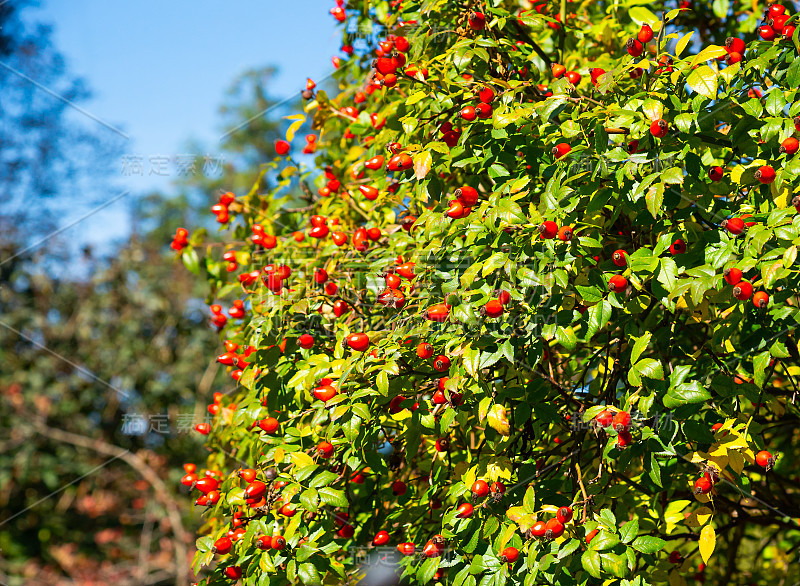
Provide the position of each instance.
(477, 21)
(467, 195)
(441, 363)
(561, 150)
(484, 111)
(548, 229)
(604, 418)
(596, 73)
(247, 474)
(486, 95)
(358, 342)
(790, 146)
(645, 34)
(634, 47)
(743, 290)
(702, 485)
(733, 225)
(438, 312)
(591, 534)
(325, 392)
(270, 424)
(222, 545)
(480, 488)
(189, 479)
(493, 308)
(325, 450)
(564, 515)
(464, 510)
(620, 258)
(264, 542)
(374, 163)
(381, 538)
(432, 549)
(554, 529)
(539, 529)
(624, 439)
(765, 459)
(659, 128)
(716, 173)
(233, 572)
(766, 174)
(206, 485)
(732, 275)
(255, 490)
(424, 350)
(761, 300)
(277, 542)
(766, 32)
(621, 421)
(282, 147)
(399, 487)
(677, 247)
(406, 548)
(675, 557)
(617, 283)
(573, 77)
(735, 45)
(510, 555)
(468, 113)
(498, 488)
(565, 233)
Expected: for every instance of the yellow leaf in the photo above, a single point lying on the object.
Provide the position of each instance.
(641, 15)
(703, 80)
(703, 515)
(736, 461)
(708, 540)
(710, 52)
(301, 459)
(507, 535)
(278, 455)
(422, 164)
(294, 126)
(681, 45)
(499, 468)
(498, 420)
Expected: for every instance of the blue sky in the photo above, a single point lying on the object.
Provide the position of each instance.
(158, 70)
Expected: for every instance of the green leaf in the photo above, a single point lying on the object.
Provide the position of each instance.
(590, 560)
(608, 518)
(191, 261)
(309, 574)
(333, 497)
(650, 368)
(428, 569)
(629, 530)
(604, 540)
(703, 80)
(599, 316)
(640, 345)
(648, 544)
(686, 394)
(654, 198)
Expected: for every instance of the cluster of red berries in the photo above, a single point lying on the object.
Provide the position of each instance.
(706, 482)
(635, 45)
(554, 527)
(180, 240)
(221, 210)
(483, 109)
(466, 198)
(619, 422)
(560, 71)
(775, 19)
(743, 290)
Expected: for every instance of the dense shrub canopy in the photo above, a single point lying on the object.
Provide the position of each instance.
(538, 320)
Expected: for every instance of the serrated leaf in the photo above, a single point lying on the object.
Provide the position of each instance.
(332, 496)
(648, 544)
(590, 560)
(422, 164)
(703, 80)
(629, 530)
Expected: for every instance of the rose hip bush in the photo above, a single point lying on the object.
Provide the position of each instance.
(532, 318)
